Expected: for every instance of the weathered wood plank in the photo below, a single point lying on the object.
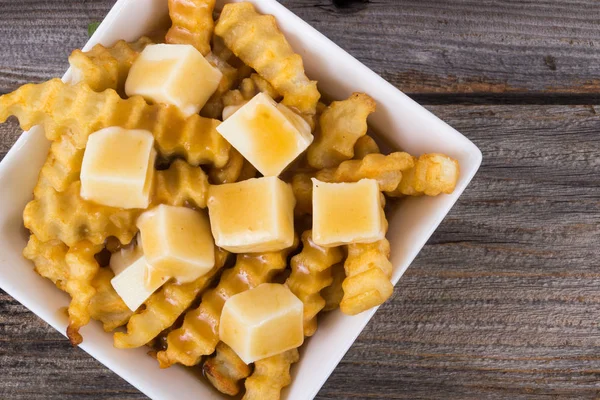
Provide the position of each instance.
(422, 47)
(37, 36)
(502, 303)
(469, 46)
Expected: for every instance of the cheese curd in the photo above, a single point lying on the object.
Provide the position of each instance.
(269, 135)
(262, 322)
(177, 243)
(256, 215)
(118, 168)
(130, 268)
(174, 74)
(346, 213)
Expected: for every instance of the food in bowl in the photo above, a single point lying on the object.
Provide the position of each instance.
(118, 218)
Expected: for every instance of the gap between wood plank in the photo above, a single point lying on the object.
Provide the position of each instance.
(556, 99)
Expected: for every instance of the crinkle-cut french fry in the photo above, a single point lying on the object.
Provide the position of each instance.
(164, 307)
(321, 107)
(192, 23)
(368, 273)
(104, 68)
(248, 172)
(230, 172)
(67, 217)
(237, 168)
(386, 170)
(364, 146)
(334, 293)
(341, 124)
(112, 244)
(256, 84)
(106, 305)
(258, 42)
(432, 175)
(270, 376)
(233, 98)
(214, 106)
(302, 187)
(248, 88)
(49, 260)
(220, 50)
(63, 165)
(230, 74)
(82, 270)
(199, 333)
(224, 370)
(78, 111)
(181, 184)
(311, 272)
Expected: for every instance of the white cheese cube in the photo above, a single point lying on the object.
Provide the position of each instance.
(262, 322)
(269, 135)
(130, 268)
(118, 167)
(256, 215)
(346, 213)
(177, 243)
(176, 74)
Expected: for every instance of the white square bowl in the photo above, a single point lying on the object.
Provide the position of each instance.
(398, 121)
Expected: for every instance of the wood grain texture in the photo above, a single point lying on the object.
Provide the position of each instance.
(421, 46)
(503, 301)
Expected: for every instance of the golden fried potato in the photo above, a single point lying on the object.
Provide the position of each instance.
(104, 68)
(62, 166)
(180, 185)
(199, 333)
(230, 172)
(82, 270)
(341, 125)
(256, 84)
(270, 376)
(386, 170)
(368, 273)
(164, 307)
(106, 305)
(77, 111)
(49, 260)
(214, 106)
(192, 23)
(67, 217)
(432, 175)
(334, 293)
(364, 146)
(248, 171)
(224, 370)
(219, 49)
(233, 98)
(259, 43)
(231, 78)
(311, 272)
(302, 187)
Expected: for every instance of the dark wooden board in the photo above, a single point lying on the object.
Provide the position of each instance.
(421, 46)
(503, 301)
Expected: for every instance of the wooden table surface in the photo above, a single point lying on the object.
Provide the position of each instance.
(504, 300)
